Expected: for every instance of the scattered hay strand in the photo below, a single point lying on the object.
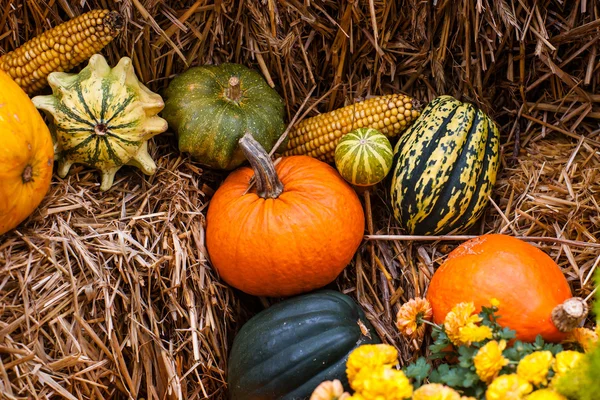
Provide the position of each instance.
(111, 295)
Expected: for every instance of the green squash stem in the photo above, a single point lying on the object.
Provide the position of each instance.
(268, 185)
(234, 92)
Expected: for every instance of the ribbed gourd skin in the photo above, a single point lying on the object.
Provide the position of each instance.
(287, 350)
(364, 157)
(445, 167)
(102, 117)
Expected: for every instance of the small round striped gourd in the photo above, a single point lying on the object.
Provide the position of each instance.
(364, 156)
(445, 167)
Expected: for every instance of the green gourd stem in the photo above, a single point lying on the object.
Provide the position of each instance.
(234, 92)
(268, 185)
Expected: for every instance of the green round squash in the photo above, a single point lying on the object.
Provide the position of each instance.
(211, 107)
(445, 168)
(364, 156)
(287, 350)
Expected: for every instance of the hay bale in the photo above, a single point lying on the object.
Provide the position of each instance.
(110, 295)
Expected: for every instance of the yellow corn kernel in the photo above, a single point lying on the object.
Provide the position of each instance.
(61, 48)
(318, 136)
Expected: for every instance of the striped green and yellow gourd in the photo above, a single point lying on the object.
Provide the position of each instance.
(445, 167)
(364, 156)
(103, 118)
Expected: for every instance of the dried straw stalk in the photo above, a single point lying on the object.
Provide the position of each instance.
(111, 295)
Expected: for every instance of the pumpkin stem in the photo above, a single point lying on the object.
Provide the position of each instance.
(27, 174)
(570, 314)
(268, 185)
(234, 92)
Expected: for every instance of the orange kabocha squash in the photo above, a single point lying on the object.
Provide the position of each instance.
(294, 231)
(535, 298)
(26, 155)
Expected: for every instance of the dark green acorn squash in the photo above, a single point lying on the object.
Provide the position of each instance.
(445, 167)
(211, 107)
(287, 350)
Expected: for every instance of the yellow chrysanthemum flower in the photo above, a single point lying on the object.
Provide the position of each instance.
(508, 387)
(489, 360)
(565, 360)
(459, 317)
(330, 390)
(435, 391)
(410, 316)
(495, 302)
(370, 356)
(586, 338)
(545, 394)
(355, 396)
(473, 333)
(382, 383)
(534, 367)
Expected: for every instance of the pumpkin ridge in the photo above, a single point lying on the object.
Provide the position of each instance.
(26, 155)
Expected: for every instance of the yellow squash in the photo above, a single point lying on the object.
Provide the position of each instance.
(26, 155)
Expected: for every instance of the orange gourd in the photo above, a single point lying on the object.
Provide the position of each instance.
(26, 155)
(535, 298)
(294, 231)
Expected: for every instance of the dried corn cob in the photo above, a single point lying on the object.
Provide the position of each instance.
(318, 136)
(61, 48)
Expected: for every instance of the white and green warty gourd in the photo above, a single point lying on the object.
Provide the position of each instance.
(102, 118)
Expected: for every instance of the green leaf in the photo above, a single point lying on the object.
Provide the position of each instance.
(435, 376)
(466, 355)
(539, 342)
(418, 370)
(440, 343)
(506, 334)
(453, 378)
(471, 378)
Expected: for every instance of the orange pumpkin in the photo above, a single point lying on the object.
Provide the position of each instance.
(535, 298)
(26, 155)
(294, 231)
